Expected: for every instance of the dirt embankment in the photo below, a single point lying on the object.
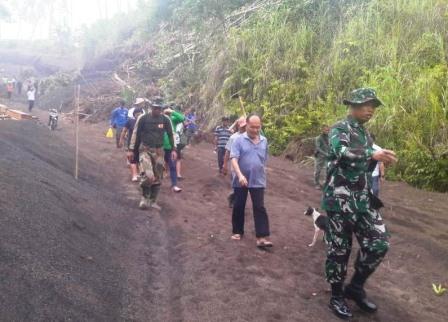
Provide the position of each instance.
(61, 240)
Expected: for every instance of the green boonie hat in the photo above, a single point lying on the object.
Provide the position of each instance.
(362, 95)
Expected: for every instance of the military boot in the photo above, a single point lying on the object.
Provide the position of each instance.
(340, 307)
(359, 296)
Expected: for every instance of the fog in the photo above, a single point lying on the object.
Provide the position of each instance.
(38, 19)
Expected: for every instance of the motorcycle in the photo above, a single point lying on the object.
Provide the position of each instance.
(53, 119)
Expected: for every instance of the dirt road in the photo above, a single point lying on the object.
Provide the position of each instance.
(180, 265)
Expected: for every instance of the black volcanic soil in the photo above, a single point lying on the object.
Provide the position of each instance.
(82, 251)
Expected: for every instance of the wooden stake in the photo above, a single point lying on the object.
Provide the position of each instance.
(77, 93)
(242, 107)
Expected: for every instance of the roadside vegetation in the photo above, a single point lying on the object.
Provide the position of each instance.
(293, 61)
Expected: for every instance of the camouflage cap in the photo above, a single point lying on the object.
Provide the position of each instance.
(157, 102)
(362, 95)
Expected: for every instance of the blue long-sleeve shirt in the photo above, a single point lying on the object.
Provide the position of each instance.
(119, 116)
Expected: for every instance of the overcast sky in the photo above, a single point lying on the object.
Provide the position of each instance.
(84, 12)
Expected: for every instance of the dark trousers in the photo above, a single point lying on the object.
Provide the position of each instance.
(172, 167)
(221, 153)
(376, 185)
(260, 215)
(118, 131)
(30, 105)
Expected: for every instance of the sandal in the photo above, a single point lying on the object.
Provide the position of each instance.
(236, 237)
(263, 244)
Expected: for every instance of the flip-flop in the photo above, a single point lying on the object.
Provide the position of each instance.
(236, 237)
(263, 244)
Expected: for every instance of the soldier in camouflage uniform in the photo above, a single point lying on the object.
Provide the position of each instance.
(146, 143)
(320, 155)
(351, 206)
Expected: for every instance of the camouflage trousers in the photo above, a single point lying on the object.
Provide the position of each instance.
(373, 239)
(320, 164)
(151, 170)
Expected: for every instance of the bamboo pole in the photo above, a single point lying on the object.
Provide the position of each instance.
(77, 93)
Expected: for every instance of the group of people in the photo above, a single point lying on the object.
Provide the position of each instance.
(352, 162)
(154, 136)
(354, 166)
(12, 85)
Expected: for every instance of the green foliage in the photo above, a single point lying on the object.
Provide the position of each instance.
(4, 12)
(128, 95)
(295, 62)
(105, 35)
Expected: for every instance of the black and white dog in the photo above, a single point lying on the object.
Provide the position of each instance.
(320, 223)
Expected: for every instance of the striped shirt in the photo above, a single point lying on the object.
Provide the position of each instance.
(222, 135)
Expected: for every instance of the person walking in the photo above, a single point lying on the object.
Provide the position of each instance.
(19, 87)
(249, 154)
(126, 136)
(10, 89)
(222, 135)
(176, 118)
(190, 124)
(320, 155)
(138, 103)
(241, 124)
(31, 95)
(147, 143)
(118, 120)
(350, 205)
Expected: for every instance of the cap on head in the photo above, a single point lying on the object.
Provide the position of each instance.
(361, 96)
(157, 103)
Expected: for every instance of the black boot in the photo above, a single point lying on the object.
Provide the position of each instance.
(340, 307)
(358, 295)
(337, 302)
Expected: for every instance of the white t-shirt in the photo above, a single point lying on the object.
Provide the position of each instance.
(31, 94)
(376, 172)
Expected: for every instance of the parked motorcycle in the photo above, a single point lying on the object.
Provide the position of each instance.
(53, 119)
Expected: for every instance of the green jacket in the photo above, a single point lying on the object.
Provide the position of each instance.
(348, 184)
(176, 118)
(321, 146)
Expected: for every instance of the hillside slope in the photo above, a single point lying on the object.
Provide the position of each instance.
(83, 251)
(58, 257)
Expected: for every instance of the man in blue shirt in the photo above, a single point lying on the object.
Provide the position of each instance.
(118, 120)
(249, 154)
(190, 124)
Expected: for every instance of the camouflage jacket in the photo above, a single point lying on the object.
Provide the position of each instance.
(321, 146)
(348, 184)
